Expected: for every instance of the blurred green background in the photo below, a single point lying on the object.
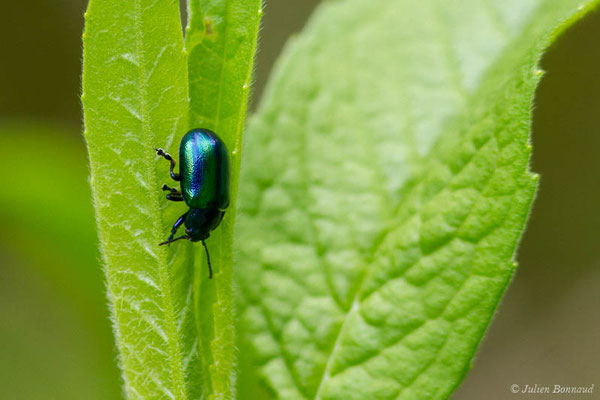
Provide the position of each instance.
(55, 334)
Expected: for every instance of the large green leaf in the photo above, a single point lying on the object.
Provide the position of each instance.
(384, 189)
(174, 328)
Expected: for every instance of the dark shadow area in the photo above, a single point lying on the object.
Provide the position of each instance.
(281, 19)
(41, 60)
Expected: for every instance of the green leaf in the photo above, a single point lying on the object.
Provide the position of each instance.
(221, 41)
(174, 328)
(135, 99)
(384, 189)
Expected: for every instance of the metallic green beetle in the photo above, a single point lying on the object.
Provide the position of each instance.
(204, 181)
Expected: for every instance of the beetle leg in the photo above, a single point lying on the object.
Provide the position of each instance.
(175, 194)
(170, 189)
(168, 157)
(176, 226)
(174, 240)
(174, 197)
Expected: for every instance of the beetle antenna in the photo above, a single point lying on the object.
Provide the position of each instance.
(208, 260)
(174, 240)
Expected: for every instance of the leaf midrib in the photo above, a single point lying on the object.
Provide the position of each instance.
(175, 357)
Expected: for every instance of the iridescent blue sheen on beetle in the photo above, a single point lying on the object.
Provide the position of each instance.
(204, 182)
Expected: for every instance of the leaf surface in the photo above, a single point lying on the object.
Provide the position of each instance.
(221, 41)
(135, 99)
(384, 188)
